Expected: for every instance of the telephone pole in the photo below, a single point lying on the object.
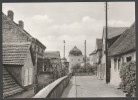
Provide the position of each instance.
(64, 48)
(85, 54)
(107, 65)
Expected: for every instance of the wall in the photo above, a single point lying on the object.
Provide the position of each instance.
(73, 60)
(54, 89)
(115, 78)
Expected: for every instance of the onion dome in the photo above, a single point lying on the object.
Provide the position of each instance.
(75, 52)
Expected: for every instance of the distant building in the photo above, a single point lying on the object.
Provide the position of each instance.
(18, 71)
(75, 57)
(93, 58)
(122, 50)
(65, 66)
(113, 34)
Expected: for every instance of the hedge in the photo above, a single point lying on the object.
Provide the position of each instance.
(128, 78)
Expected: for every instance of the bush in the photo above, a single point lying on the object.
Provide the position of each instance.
(128, 78)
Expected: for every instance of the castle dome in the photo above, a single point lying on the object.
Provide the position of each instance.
(75, 52)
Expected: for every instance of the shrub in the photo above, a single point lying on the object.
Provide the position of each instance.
(128, 78)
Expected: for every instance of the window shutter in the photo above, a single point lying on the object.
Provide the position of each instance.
(26, 77)
(30, 76)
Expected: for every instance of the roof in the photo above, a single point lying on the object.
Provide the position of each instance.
(25, 32)
(94, 52)
(15, 53)
(99, 44)
(114, 31)
(125, 43)
(10, 86)
(75, 52)
(52, 54)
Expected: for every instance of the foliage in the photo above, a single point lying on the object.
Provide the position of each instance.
(81, 68)
(128, 78)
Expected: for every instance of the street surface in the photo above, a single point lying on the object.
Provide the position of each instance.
(90, 86)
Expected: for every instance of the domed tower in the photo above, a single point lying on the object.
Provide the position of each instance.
(75, 57)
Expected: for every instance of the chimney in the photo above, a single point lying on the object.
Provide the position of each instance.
(10, 14)
(21, 24)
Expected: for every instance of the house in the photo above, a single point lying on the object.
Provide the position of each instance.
(98, 55)
(18, 67)
(15, 33)
(55, 60)
(113, 34)
(93, 58)
(122, 50)
(75, 57)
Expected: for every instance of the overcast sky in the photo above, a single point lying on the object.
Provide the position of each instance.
(52, 23)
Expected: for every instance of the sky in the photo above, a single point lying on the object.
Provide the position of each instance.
(74, 22)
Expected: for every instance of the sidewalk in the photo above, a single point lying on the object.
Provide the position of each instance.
(90, 86)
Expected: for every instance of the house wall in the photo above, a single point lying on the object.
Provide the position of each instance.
(28, 64)
(73, 60)
(93, 59)
(115, 78)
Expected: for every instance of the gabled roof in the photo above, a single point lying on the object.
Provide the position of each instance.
(23, 31)
(94, 52)
(10, 86)
(52, 54)
(125, 43)
(99, 44)
(113, 31)
(15, 53)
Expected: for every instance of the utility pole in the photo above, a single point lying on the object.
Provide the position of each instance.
(107, 65)
(85, 54)
(64, 48)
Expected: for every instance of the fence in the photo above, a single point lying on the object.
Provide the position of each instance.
(55, 89)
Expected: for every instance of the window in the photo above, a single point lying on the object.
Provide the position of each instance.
(118, 63)
(128, 58)
(28, 78)
(115, 63)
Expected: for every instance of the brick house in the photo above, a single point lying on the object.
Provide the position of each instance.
(122, 50)
(13, 33)
(18, 67)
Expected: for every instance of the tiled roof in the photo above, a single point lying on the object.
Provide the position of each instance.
(10, 86)
(125, 43)
(114, 31)
(99, 44)
(15, 53)
(52, 54)
(94, 52)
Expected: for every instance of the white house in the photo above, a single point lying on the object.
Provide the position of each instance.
(113, 34)
(75, 57)
(123, 50)
(93, 58)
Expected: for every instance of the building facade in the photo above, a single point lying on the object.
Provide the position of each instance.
(75, 57)
(113, 34)
(123, 50)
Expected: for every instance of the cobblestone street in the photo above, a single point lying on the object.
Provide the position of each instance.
(90, 86)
